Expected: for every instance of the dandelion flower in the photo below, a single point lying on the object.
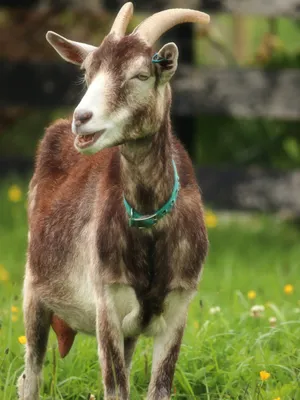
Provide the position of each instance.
(4, 275)
(288, 289)
(14, 193)
(251, 294)
(257, 311)
(264, 375)
(22, 339)
(272, 321)
(211, 220)
(14, 309)
(214, 310)
(14, 318)
(277, 398)
(196, 324)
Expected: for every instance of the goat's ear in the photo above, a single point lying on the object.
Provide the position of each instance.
(168, 66)
(73, 52)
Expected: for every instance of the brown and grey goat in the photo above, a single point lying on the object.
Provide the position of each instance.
(88, 270)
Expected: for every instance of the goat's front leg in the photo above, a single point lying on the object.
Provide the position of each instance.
(111, 350)
(37, 323)
(167, 345)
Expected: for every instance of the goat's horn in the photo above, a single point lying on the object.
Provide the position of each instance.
(155, 26)
(122, 19)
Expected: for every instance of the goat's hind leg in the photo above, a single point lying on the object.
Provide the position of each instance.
(37, 323)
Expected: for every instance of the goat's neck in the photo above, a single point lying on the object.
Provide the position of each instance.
(147, 171)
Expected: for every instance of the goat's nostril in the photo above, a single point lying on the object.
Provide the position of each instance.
(82, 117)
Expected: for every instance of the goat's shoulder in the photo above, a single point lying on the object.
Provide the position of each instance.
(56, 150)
(61, 172)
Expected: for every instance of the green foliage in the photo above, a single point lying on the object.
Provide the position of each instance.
(225, 140)
(222, 353)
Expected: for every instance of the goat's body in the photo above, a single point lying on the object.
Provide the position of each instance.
(87, 269)
(74, 241)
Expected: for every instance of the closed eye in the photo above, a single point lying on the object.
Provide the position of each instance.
(141, 77)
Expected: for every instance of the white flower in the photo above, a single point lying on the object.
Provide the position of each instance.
(214, 310)
(273, 321)
(257, 311)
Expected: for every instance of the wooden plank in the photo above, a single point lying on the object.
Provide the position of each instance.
(289, 8)
(237, 92)
(251, 189)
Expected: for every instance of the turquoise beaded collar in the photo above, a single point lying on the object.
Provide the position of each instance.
(147, 221)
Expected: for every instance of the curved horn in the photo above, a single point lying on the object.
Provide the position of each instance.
(122, 19)
(156, 25)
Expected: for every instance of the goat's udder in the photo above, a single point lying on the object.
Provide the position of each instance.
(65, 335)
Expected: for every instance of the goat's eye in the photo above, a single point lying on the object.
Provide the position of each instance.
(142, 77)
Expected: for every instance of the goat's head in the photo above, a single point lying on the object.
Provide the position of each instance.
(128, 95)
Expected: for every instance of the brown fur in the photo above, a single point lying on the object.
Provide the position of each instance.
(70, 192)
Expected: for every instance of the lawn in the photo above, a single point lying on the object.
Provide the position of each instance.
(252, 261)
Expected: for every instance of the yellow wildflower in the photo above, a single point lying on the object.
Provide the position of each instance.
(4, 275)
(14, 193)
(288, 289)
(14, 309)
(251, 294)
(22, 339)
(211, 220)
(14, 318)
(277, 398)
(264, 375)
(196, 324)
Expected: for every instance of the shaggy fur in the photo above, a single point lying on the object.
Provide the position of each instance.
(86, 266)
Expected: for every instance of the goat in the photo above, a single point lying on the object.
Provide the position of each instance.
(90, 268)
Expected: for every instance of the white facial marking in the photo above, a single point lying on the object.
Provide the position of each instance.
(95, 101)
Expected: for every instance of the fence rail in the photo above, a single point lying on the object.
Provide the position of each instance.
(238, 92)
(235, 92)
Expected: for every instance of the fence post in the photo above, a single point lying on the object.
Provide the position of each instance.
(184, 126)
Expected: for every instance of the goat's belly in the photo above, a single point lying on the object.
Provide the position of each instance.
(80, 317)
(73, 301)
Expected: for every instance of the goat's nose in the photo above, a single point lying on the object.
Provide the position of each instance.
(82, 117)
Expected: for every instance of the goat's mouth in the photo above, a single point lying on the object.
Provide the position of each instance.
(85, 141)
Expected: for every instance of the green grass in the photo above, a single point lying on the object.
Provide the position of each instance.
(221, 355)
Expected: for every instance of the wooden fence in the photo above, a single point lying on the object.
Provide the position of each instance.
(234, 92)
